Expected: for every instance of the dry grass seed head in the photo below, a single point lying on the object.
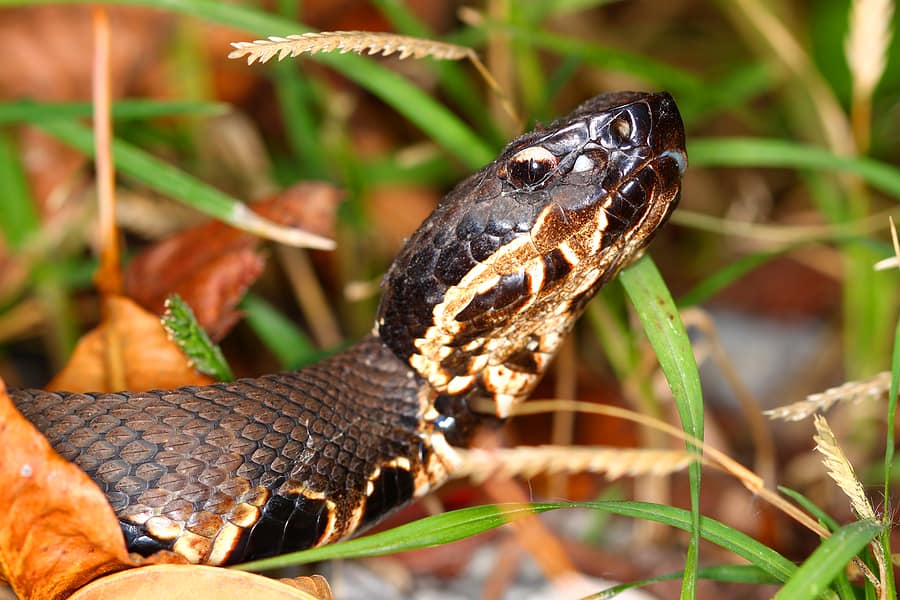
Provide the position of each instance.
(528, 461)
(840, 469)
(852, 391)
(365, 41)
(868, 39)
(347, 41)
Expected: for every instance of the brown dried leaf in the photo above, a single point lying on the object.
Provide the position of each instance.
(189, 582)
(211, 266)
(129, 350)
(218, 286)
(57, 531)
(315, 585)
(58, 535)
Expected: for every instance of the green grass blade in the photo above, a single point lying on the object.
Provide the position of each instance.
(828, 561)
(868, 303)
(748, 574)
(766, 152)
(676, 80)
(414, 104)
(122, 110)
(890, 583)
(175, 183)
(841, 582)
(19, 218)
(296, 101)
(667, 335)
(733, 92)
(460, 88)
(662, 323)
(424, 533)
(711, 530)
(420, 109)
(822, 516)
(458, 524)
(182, 327)
(724, 277)
(279, 334)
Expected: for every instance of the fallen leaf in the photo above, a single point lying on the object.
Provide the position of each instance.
(57, 531)
(189, 582)
(315, 585)
(59, 537)
(129, 350)
(212, 265)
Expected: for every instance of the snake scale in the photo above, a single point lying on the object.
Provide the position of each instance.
(474, 308)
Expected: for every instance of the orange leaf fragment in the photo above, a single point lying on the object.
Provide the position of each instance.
(189, 582)
(128, 350)
(314, 585)
(57, 531)
(212, 265)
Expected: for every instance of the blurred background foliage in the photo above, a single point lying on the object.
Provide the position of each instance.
(784, 212)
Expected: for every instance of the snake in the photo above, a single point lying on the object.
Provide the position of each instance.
(473, 310)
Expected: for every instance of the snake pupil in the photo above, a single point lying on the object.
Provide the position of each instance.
(530, 166)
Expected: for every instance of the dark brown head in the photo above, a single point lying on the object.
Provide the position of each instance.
(480, 297)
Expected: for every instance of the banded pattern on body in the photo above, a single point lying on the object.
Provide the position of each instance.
(474, 307)
(257, 467)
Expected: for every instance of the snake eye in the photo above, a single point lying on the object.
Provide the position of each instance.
(620, 130)
(529, 166)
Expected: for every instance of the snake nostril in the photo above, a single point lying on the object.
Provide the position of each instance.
(679, 157)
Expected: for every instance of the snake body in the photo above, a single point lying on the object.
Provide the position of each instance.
(474, 308)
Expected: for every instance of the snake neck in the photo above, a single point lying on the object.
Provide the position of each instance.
(451, 415)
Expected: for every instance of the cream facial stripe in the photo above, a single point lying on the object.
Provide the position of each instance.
(487, 358)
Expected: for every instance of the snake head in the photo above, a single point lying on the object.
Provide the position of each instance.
(482, 294)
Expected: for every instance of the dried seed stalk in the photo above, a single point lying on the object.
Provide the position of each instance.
(527, 461)
(359, 42)
(866, 47)
(841, 471)
(852, 391)
(867, 42)
(348, 41)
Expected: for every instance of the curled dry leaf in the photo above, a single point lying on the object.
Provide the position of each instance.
(129, 350)
(189, 582)
(57, 531)
(212, 265)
